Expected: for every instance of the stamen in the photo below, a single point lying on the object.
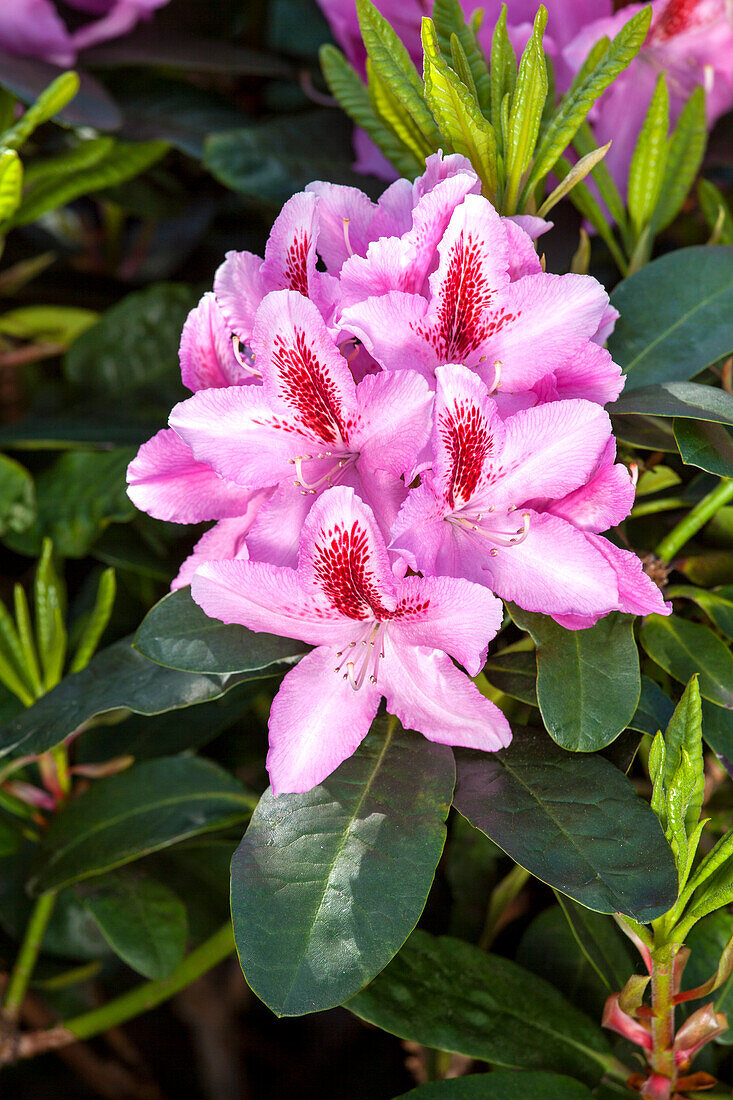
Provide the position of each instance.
(246, 363)
(634, 472)
(366, 662)
(347, 238)
(497, 376)
(330, 477)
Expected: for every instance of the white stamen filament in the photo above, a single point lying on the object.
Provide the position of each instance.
(332, 475)
(497, 376)
(246, 364)
(347, 238)
(474, 528)
(369, 653)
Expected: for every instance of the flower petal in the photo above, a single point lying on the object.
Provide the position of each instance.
(317, 721)
(206, 351)
(390, 327)
(344, 215)
(394, 421)
(239, 287)
(638, 594)
(426, 691)
(468, 437)
(589, 373)
(166, 481)
(604, 501)
(225, 541)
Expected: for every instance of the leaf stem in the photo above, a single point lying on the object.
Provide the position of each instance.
(28, 954)
(696, 518)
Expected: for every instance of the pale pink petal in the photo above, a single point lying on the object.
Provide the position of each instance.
(550, 450)
(394, 421)
(436, 218)
(224, 542)
(387, 266)
(447, 613)
(590, 373)
(275, 534)
(420, 533)
(638, 594)
(345, 215)
(607, 325)
(523, 258)
(166, 481)
(441, 166)
(389, 327)
(603, 502)
(393, 215)
(206, 351)
(239, 287)
(370, 160)
(235, 431)
(426, 691)
(291, 256)
(344, 558)
(556, 570)
(317, 721)
(303, 370)
(267, 598)
(468, 437)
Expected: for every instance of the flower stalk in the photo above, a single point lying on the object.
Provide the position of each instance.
(696, 518)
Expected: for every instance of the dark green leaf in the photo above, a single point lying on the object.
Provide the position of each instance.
(654, 710)
(446, 994)
(134, 344)
(707, 941)
(688, 400)
(683, 648)
(717, 731)
(588, 681)
(709, 446)
(515, 674)
(78, 496)
(327, 885)
(148, 807)
(178, 634)
(180, 50)
(674, 316)
(502, 1086)
(574, 821)
(118, 678)
(717, 604)
(142, 921)
(600, 942)
(17, 496)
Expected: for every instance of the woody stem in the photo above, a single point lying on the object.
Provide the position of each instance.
(662, 1022)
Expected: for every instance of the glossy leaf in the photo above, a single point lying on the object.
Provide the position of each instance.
(502, 1086)
(648, 161)
(142, 921)
(514, 673)
(654, 710)
(449, 20)
(327, 885)
(600, 942)
(447, 994)
(148, 807)
(52, 100)
(688, 400)
(683, 648)
(709, 446)
(17, 496)
(29, 77)
(525, 111)
(178, 634)
(118, 678)
(588, 681)
(717, 604)
(674, 314)
(574, 821)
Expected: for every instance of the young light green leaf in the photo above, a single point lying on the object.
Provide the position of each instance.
(526, 110)
(716, 210)
(656, 774)
(393, 64)
(461, 66)
(50, 599)
(13, 672)
(585, 90)
(11, 183)
(17, 496)
(685, 151)
(391, 112)
(503, 77)
(467, 55)
(345, 85)
(96, 622)
(457, 114)
(577, 173)
(86, 153)
(586, 203)
(584, 142)
(648, 162)
(49, 103)
(27, 641)
(59, 325)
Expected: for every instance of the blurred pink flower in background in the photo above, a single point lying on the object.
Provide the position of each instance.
(34, 28)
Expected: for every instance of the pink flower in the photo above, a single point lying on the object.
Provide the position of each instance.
(466, 286)
(375, 636)
(34, 28)
(690, 40)
(308, 426)
(485, 511)
(167, 482)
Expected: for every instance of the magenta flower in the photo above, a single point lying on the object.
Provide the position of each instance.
(309, 425)
(690, 40)
(375, 636)
(485, 511)
(167, 482)
(34, 28)
(486, 304)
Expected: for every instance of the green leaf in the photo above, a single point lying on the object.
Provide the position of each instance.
(117, 678)
(716, 210)
(394, 66)
(135, 343)
(345, 85)
(600, 943)
(515, 674)
(649, 158)
(449, 21)
(577, 173)
(685, 151)
(588, 681)
(503, 76)
(96, 621)
(525, 112)
(17, 496)
(148, 807)
(654, 710)
(142, 921)
(709, 446)
(446, 994)
(123, 162)
(585, 201)
(586, 89)
(60, 325)
(78, 496)
(502, 1086)
(327, 885)
(50, 604)
(687, 400)
(178, 634)
(676, 769)
(49, 103)
(573, 821)
(657, 479)
(11, 183)
(707, 942)
(674, 316)
(392, 113)
(88, 151)
(717, 604)
(584, 143)
(683, 648)
(458, 114)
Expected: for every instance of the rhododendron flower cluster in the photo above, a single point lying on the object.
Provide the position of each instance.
(35, 28)
(396, 418)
